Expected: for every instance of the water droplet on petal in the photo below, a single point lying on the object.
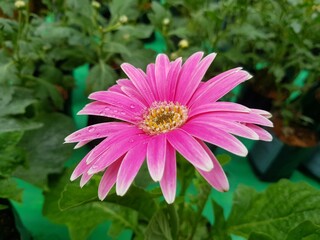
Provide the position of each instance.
(91, 129)
(132, 106)
(123, 113)
(115, 111)
(131, 140)
(106, 109)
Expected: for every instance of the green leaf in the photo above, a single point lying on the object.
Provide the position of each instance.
(304, 231)
(46, 153)
(100, 77)
(259, 236)
(81, 219)
(282, 207)
(8, 72)
(52, 91)
(219, 229)
(14, 100)
(10, 190)
(10, 124)
(159, 227)
(128, 8)
(136, 198)
(115, 47)
(72, 195)
(139, 31)
(10, 155)
(223, 159)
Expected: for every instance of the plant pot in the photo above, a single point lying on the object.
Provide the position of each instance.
(10, 224)
(312, 166)
(274, 160)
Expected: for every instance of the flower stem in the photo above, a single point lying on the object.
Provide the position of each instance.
(202, 203)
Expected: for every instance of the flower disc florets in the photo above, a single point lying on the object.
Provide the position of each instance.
(163, 117)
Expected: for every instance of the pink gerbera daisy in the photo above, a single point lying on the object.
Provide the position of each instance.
(164, 110)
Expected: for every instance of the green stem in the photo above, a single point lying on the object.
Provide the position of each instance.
(204, 197)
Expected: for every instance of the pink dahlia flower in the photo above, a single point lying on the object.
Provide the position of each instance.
(164, 110)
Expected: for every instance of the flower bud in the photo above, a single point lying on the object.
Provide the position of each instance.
(166, 21)
(95, 4)
(123, 19)
(183, 43)
(19, 4)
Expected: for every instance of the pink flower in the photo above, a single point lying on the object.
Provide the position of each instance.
(164, 110)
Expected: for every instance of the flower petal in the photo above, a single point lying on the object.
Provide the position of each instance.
(139, 81)
(151, 78)
(261, 112)
(227, 126)
(263, 134)
(185, 144)
(216, 177)
(84, 179)
(122, 134)
(217, 137)
(196, 78)
(168, 182)
(204, 85)
(218, 89)
(130, 167)
(108, 179)
(161, 69)
(188, 68)
(173, 77)
(156, 155)
(106, 110)
(241, 117)
(96, 131)
(117, 99)
(116, 150)
(217, 107)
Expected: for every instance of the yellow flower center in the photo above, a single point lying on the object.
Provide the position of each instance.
(163, 117)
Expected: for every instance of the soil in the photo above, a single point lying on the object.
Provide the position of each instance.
(294, 135)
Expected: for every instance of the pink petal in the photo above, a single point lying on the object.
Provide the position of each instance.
(227, 126)
(106, 110)
(241, 117)
(95, 131)
(202, 87)
(173, 77)
(188, 68)
(262, 133)
(217, 137)
(139, 81)
(190, 149)
(117, 99)
(122, 134)
(116, 150)
(115, 88)
(196, 78)
(156, 154)
(216, 177)
(161, 69)
(169, 180)
(151, 78)
(216, 107)
(81, 168)
(261, 112)
(80, 144)
(108, 179)
(84, 179)
(130, 167)
(218, 89)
